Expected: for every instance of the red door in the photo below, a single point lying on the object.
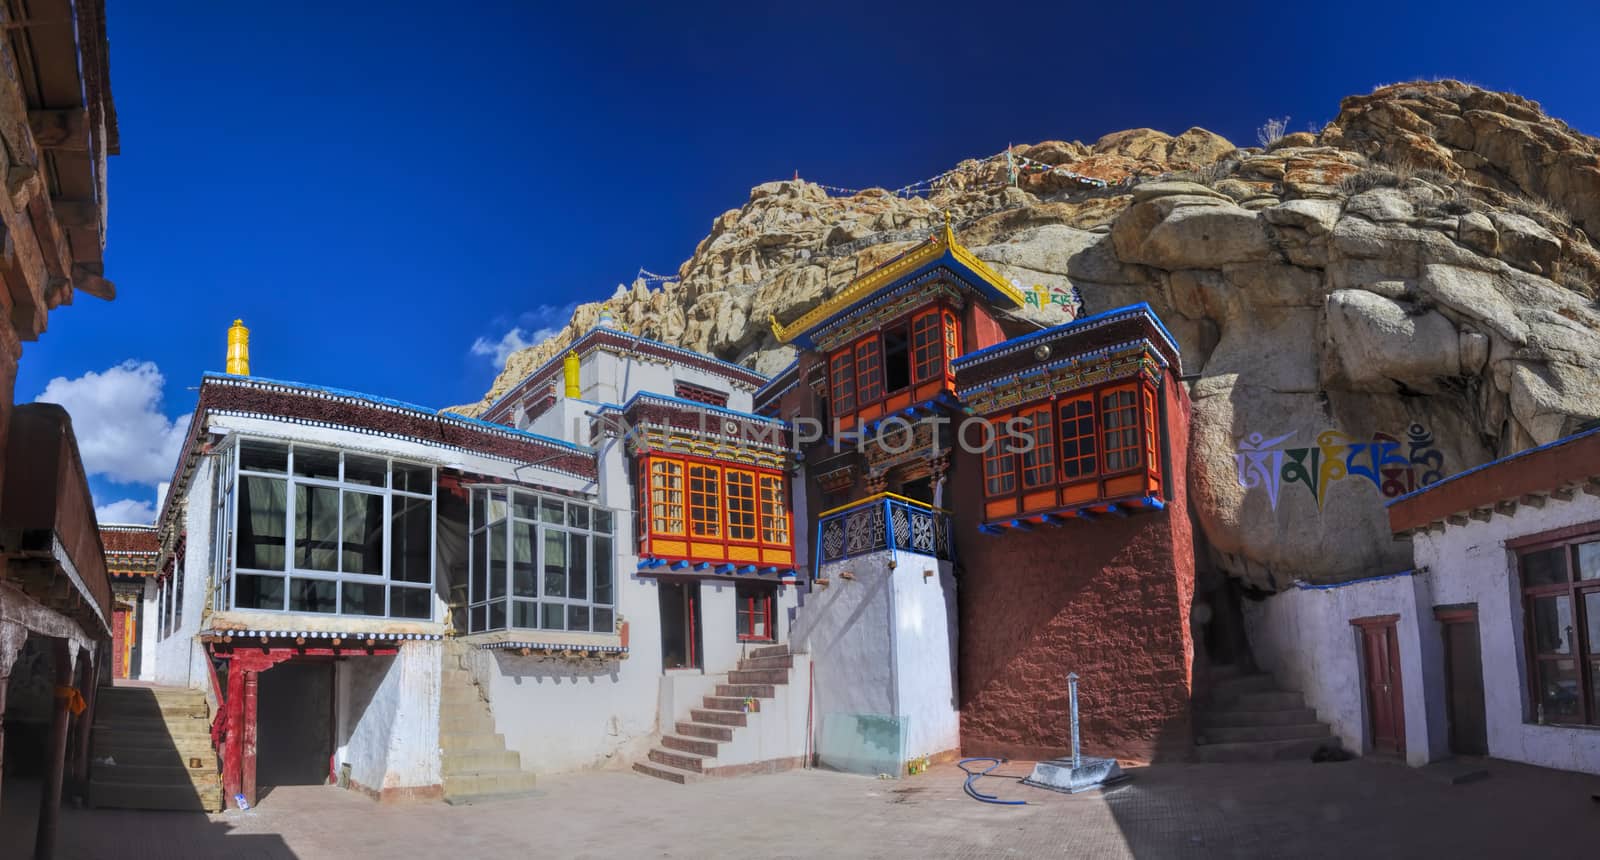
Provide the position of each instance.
(119, 642)
(1380, 663)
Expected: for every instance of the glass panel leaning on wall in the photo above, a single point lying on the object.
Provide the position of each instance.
(551, 569)
(319, 530)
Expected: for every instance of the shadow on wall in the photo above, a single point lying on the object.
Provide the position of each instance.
(126, 832)
(555, 670)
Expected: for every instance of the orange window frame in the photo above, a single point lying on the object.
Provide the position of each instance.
(754, 607)
(1120, 424)
(842, 379)
(774, 512)
(665, 497)
(927, 346)
(952, 340)
(1151, 458)
(1038, 466)
(1078, 438)
(869, 370)
(999, 465)
(739, 505)
(705, 501)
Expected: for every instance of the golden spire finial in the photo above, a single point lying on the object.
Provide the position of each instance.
(949, 234)
(238, 359)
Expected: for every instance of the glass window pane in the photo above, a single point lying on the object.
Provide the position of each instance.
(413, 479)
(370, 471)
(411, 540)
(524, 574)
(497, 615)
(479, 498)
(263, 456)
(525, 505)
(496, 508)
(604, 621)
(602, 520)
(577, 618)
(257, 592)
(263, 514)
(497, 560)
(1558, 691)
(361, 599)
(524, 613)
(316, 463)
(1545, 567)
(578, 567)
(551, 510)
(411, 603)
(480, 566)
(577, 515)
(312, 595)
(1552, 625)
(1591, 618)
(363, 533)
(1589, 560)
(480, 619)
(552, 616)
(316, 527)
(555, 564)
(602, 570)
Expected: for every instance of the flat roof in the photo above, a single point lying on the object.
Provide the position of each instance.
(1570, 461)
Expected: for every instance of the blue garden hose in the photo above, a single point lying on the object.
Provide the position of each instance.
(974, 776)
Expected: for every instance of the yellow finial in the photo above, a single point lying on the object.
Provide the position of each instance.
(238, 362)
(569, 370)
(949, 235)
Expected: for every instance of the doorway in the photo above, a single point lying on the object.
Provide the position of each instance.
(680, 625)
(1463, 680)
(1380, 664)
(294, 724)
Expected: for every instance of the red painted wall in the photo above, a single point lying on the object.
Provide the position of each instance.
(1108, 599)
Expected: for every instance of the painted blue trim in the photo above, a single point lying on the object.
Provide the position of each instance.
(395, 404)
(704, 565)
(679, 565)
(749, 568)
(1021, 525)
(1307, 586)
(1154, 503)
(1067, 327)
(776, 377)
(1506, 459)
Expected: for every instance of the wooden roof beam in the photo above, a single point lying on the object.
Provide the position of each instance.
(66, 130)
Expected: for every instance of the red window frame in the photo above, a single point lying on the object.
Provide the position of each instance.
(1038, 465)
(717, 503)
(699, 393)
(754, 613)
(952, 339)
(739, 506)
(1079, 437)
(842, 375)
(774, 511)
(1120, 446)
(999, 464)
(869, 370)
(1579, 548)
(704, 496)
(927, 347)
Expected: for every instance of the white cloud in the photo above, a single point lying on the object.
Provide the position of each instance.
(536, 326)
(130, 511)
(122, 433)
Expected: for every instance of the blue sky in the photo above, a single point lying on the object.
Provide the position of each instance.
(377, 191)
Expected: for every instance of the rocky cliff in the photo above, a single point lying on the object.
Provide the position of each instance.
(1404, 295)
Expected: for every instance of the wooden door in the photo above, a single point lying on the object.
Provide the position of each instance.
(120, 642)
(680, 625)
(1463, 678)
(1380, 662)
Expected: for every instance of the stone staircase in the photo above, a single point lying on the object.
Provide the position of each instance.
(1250, 718)
(691, 752)
(476, 764)
(152, 750)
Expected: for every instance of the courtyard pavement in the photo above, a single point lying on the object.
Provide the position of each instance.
(1289, 809)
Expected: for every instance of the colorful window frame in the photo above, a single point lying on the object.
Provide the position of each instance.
(753, 622)
(740, 494)
(705, 501)
(774, 511)
(698, 509)
(1039, 461)
(856, 371)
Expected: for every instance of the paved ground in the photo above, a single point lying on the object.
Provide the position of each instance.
(1290, 809)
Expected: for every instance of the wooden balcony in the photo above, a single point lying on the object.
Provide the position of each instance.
(884, 522)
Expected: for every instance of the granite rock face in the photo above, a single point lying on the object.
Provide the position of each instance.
(1407, 294)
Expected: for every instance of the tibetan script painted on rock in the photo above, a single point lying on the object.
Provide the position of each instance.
(1394, 467)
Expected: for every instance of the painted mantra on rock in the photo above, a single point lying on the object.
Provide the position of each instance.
(1394, 467)
(1043, 297)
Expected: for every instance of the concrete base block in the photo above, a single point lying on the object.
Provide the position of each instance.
(1091, 772)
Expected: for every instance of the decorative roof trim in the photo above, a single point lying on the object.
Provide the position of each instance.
(325, 634)
(1062, 363)
(549, 646)
(1089, 323)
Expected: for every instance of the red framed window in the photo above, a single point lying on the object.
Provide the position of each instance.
(1000, 464)
(952, 338)
(1039, 464)
(842, 371)
(927, 347)
(869, 370)
(1077, 438)
(741, 510)
(699, 393)
(666, 497)
(1119, 428)
(1150, 456)
(754, 622)
(1561, 598)
(705, 501)
(774, 512)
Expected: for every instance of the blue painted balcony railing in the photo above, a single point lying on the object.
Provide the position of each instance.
(882, 522)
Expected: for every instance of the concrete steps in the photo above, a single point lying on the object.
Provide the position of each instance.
(475, 766)
(690, 754)
(152, 750)
(1250, 719)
